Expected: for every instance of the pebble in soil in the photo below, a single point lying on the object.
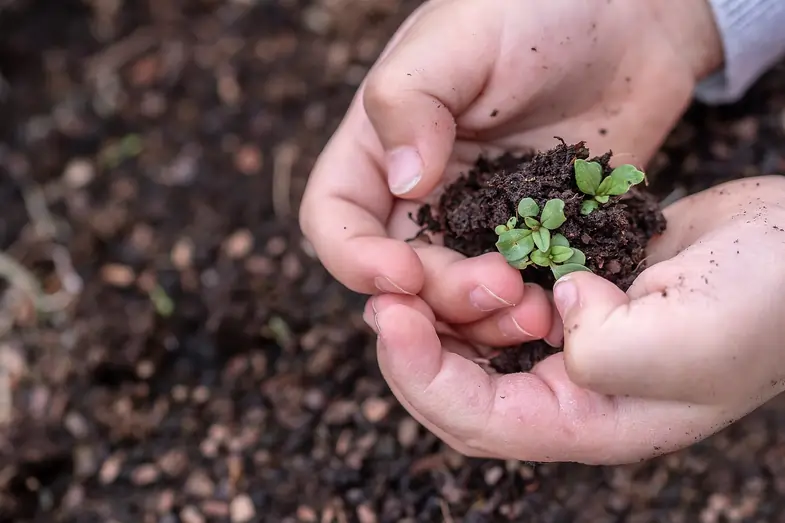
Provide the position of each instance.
(613, 237)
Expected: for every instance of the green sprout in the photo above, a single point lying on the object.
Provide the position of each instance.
(535, 244)
(560, 258)
(588, 176)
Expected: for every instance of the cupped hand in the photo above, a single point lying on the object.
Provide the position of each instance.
(463, 77)
(695, 344)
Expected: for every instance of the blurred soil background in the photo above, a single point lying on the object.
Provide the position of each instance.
(190, 360)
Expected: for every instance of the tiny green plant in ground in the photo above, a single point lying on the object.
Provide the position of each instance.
(588, 176)
(536, 243)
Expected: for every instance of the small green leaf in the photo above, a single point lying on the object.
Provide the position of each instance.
(515, 244)
(603, 189)
(541, 259)
(588, 176)
(562, 270)
(602, 199)
(521, 264)
(624, 177)
(528, 208)
(577, 257)
(560, 254)
(553, 214)
(500, 229)
(542, 239)
(512, 222)
(560, 240)
(589, 206)
(532, 223)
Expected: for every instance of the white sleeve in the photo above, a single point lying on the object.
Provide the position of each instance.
(753, 38)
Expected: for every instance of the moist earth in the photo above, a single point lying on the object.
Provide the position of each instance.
(613, 237)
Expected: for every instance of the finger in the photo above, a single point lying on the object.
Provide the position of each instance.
(381, 302)
(555, 337)
(530, 320)
(686, 322)
(343, 214)
(414, 92)
(462, 289)
(538, 416)
(683, 330)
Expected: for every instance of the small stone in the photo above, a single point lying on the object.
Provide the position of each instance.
(191, 514)
(145, 474)
(276, 246)
(306, 514)
(241, 509)
(110, 469)
(76, 425)
(85, 461)
(78, 173)
(165, 501)
(13, 361)
(73, 498)
(365, 514)
(214, 508)
(339, 412)
(376, 409)
(179, 393)
(199, 485)
(239, 244)
(200, 394)
(493, 475)
(314, 399)
(117, 275)
(408, 430)
(248, 159)
(182, 254)
(145, 369)
(173, 463)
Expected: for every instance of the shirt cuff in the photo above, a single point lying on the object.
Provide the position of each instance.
(753, 39)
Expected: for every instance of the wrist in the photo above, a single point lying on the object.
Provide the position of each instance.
(691, 29)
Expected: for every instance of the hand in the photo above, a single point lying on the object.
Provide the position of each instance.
(463, 77)
(695, 344)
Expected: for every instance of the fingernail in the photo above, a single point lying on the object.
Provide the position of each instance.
(484, 299)
(404, 169)
(369, 317)
(512, 329)
(565, 294)
(385, 284)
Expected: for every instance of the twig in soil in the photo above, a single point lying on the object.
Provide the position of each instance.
(21, 279)
(116, 56)
(35, 203)
(446, 515)
(6, 397)
(284, 158)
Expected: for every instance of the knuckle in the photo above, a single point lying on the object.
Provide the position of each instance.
(380, 91)
(579, 363)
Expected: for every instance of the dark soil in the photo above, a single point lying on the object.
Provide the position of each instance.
(259, 396)
(613, 237)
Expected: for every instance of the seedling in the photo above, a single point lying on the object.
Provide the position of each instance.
(560, 258)
(535, 243)
(588, 176)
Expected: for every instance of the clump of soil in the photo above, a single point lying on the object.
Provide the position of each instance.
(613, 237)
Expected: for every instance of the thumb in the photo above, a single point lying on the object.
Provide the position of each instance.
(647, 343)
(417, 90)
